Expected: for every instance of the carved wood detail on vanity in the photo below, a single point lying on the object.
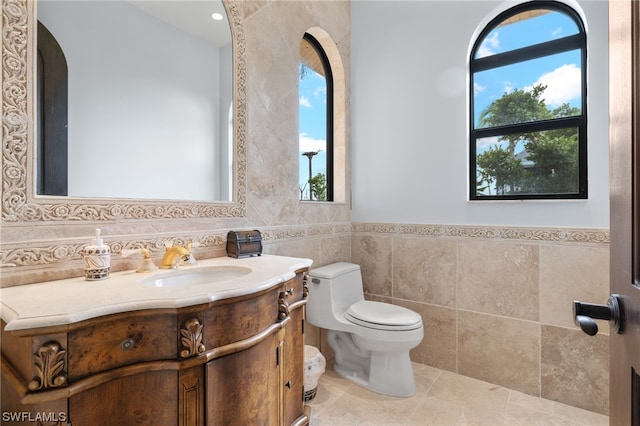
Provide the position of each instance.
(191, 338)
(283, 306)
(305, 287)
(49, 362)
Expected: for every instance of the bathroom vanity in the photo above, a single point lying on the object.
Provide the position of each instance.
(218, 343)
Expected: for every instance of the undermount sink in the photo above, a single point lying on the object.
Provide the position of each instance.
(206, 275)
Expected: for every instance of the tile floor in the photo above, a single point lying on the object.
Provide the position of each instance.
(442, 398)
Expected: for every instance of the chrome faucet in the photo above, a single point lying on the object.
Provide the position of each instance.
(173, 254)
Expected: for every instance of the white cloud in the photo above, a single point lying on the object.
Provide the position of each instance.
(320, 91)
(478, 88)
(485, 143)
(508, 87)
(310, 144)
(563, 85)
(556, 32)
(488, 46)
(305, 102)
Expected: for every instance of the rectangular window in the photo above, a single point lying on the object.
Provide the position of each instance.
(534, 163)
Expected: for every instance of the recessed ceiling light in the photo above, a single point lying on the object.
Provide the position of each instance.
(217, 16)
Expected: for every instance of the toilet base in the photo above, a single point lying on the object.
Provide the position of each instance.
(385, 372)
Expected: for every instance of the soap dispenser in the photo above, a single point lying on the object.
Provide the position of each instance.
(97, 259)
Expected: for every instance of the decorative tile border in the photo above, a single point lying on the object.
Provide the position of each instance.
(50, 253)
(58, 253)
(549, 235)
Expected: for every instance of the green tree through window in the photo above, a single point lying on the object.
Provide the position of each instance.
(547, 164)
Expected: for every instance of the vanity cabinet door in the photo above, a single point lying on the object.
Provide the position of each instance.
(294, 367)
(294, 352)
(148, 398)
(243, 388)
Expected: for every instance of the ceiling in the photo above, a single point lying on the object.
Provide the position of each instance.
(191, 16)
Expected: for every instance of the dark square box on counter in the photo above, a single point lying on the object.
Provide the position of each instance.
(244, 243)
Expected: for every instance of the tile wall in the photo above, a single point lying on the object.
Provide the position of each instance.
(497, 302)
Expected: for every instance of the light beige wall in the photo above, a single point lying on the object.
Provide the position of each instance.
(497, 302)
(44, 248)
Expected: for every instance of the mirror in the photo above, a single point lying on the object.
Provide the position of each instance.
(148, 100)
(19, 200)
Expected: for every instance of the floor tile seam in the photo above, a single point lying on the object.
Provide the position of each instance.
(506, 406)
(409, 414)
(403, 420)
(434, 382)
(340, 390)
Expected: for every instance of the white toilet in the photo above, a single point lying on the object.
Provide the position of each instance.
(371, 340)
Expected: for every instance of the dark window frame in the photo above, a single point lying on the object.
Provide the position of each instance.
(565, 44)
(326, 65)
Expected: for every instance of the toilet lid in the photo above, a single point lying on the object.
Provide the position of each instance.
(383, 316)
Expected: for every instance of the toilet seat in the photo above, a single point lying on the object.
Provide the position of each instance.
(383, 316)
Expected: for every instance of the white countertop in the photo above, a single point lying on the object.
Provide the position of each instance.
(75, 299)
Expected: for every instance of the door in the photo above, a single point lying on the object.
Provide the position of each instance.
(623, 308)
(624, 77)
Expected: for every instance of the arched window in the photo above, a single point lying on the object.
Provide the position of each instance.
(51, 115)
(315, 122)
(528, 107)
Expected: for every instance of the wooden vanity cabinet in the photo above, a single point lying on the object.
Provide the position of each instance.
(236, 361)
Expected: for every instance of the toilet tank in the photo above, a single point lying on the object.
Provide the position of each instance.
(333, 288)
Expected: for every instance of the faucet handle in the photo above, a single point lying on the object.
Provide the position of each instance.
(147, 264)
(189, 259)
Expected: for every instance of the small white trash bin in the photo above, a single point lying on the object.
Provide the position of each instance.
(314, 364)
